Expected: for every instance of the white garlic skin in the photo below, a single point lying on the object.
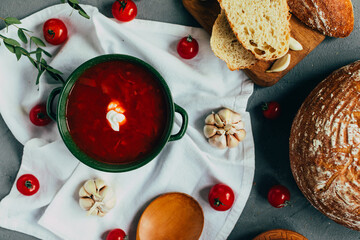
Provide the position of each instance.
(224, 129)
(96, 197)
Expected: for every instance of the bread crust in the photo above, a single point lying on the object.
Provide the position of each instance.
(324, 146)
(334, 18)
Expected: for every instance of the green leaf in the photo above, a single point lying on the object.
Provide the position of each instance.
(38, 54)
(22, 36)
(33, 62)
(40, 72)
(9, 47)
(12, 42)
(45, 52)
(53, 70)
(43, 64)
(37, 41)
(57, 77)
(74, 6)
(74, 1)
(12, 20)
(18, 53)
(62, 1)
(23, 51)
(84, 14)
(25, 30)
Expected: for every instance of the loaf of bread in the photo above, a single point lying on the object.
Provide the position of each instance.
(225, 46)
(261, 26)
(324, 146)
(333, 18)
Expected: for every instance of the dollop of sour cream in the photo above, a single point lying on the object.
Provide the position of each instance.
(115, 118)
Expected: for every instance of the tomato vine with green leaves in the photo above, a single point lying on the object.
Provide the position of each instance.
(36, 56)
(38, 61)
(75, 5)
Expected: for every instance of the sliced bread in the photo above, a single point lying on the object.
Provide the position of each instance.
(225, 45)
(261, 26)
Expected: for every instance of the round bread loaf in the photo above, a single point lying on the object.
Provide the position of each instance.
(325, 146)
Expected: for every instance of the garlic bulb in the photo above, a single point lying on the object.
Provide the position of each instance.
(96, 197)
(224, 129)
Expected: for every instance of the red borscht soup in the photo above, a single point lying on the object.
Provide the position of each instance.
(117, 112)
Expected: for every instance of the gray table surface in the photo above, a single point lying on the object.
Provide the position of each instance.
(271, 137)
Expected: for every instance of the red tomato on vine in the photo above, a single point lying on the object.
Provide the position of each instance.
(279, 196)
(221, 197)
(28, 184)
(55, 31)
(38, 115)
(271, 110)
(124, 10)
(116, 234)
(188, 47)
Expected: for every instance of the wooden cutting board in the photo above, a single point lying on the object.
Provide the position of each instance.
(206, 12)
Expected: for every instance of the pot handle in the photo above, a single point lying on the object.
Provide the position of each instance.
(50, 101)
(184, 124)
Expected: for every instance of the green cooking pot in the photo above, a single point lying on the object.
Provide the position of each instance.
(60, 116)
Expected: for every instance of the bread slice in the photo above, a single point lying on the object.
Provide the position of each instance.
(261, 26)
(225, 45)
(334, 18)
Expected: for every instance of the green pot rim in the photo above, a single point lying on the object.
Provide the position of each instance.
(71, 145)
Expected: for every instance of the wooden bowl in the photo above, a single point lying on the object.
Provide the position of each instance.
(171, 216)
(280, 234)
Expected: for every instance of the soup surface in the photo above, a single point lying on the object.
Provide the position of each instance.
(116, 112)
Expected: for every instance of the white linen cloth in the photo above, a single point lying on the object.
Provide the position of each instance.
(190, 165)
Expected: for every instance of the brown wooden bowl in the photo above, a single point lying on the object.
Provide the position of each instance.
(171, 216)
(280, 234)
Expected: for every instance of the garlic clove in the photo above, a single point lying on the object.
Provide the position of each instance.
(220, 131)
(99, 183)
(295, 45)
(86, 203)
(109, 204)
(94, 212)
(107, 193)
(210, 119)
(89, 186)
(232, 130)
(239, 125)
(225, 115)
(101, 214)
(83, 192)
(210, 130)
(227, 127)
(281, 64)
(218, 141)
(232, 141)
(236, 118)
(218, 121)
(240, 134)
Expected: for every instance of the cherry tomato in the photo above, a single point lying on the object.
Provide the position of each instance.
(124, 10)
(188, 47)
(28, 184)
(55, 31)
(38, 115)
(221, 197)
(116, 234)
(279, 196)
(271, 110)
